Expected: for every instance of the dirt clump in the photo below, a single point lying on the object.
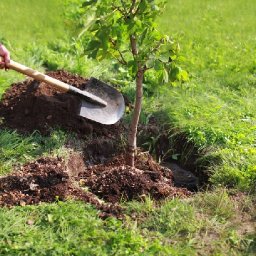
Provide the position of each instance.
(50, 180)
(31, 105)
(114, 181)
(47, 180)
(35, 182)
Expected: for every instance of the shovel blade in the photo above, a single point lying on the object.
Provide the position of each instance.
(109, 114)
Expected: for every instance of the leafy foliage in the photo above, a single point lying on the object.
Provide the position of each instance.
(108, 28)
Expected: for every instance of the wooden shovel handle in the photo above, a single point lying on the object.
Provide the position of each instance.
(38, 76)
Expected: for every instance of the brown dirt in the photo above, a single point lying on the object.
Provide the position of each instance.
(51, 179)
(47, 180)
(29, 106)
(115, 181)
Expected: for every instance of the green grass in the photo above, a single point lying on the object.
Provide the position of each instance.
(177, 227)
(29, 23)
(55, 230)
(15, 148)
(216, 108)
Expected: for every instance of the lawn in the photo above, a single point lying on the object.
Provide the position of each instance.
(27, 24)
(215, 109)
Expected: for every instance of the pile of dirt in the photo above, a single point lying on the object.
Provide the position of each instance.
(40, 181)
(47, 180)
(30, 105)
(51, 179)
(114, 181)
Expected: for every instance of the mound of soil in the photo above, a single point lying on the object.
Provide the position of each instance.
(47, 180)
(30, 105)
(114, 181)
(51, 179)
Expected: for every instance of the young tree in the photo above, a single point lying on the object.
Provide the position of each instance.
(127, 32)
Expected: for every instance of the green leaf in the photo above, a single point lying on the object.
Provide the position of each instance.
(132, 66)
(165, 76)
(164, 57)
(93, 44)
(87, 3)
(143, 6)
(174, 73)
(143, 36)
(158, 65)
(184, 76)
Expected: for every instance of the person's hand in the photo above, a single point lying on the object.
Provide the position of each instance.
(5, 57)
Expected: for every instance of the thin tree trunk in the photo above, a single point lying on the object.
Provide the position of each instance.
(132, 136)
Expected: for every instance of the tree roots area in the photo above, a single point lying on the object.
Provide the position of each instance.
(96, 173)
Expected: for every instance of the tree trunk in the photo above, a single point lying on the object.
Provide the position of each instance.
(132, 136)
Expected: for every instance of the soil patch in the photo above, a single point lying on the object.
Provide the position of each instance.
(114, 181)
(30, 105)
(47, 180)
(51, 179)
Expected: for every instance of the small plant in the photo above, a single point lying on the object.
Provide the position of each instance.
(126, 31)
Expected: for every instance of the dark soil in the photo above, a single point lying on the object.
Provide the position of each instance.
(28, 106)
(115, 181)
(51, 179)
(47, 180)
(98, 172)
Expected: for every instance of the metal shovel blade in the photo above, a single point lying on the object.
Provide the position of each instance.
(109, 114)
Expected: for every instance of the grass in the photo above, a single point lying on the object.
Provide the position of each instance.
(215, 109)
(206, 224)
(55, 230)
(177, 227)
(26, 24)
(31, 21)
(15, 148)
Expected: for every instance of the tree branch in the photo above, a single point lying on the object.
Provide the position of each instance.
(122, 60)
(134, 46)
(132, 7)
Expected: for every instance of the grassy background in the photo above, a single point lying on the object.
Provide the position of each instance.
(215, 109)
(28, 21)
(29, 24)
